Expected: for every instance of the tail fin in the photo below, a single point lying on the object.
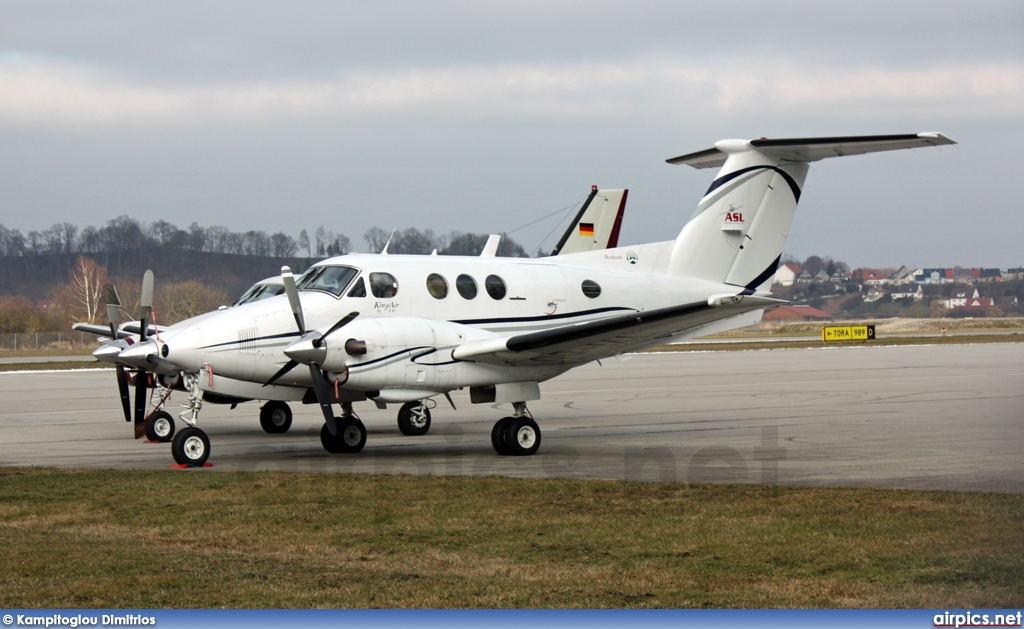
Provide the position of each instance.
(739, 228)
(596, 225)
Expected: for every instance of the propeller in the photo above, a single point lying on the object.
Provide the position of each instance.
(313, 355)
(142, 376)
(113, 310)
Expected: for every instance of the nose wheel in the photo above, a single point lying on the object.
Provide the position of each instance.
(160, 427)
(190, 447)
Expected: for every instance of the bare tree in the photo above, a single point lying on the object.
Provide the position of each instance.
(376, 238)
(187, 299)
(282, 245)
(87, 280)
(304, 243)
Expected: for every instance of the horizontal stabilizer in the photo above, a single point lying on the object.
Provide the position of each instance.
(810, 149)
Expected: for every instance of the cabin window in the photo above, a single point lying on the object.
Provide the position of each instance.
(330, 279)
(383, 285)
(466, 286)
(495, 287)
(591, 288)
(437, 286)
(358, 289)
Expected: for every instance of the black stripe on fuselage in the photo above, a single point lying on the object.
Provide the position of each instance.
(551, 317)
(724, 179)
(259, 338)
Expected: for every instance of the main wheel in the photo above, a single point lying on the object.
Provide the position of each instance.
(522, 436)
(160, 427)
(351, 436)
(414, 419)
(191, 447)
(498, 436)
(276, 417)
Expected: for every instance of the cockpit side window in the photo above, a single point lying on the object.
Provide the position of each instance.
(358, 289)
(330, 279)
(383, 285)
(249, 295)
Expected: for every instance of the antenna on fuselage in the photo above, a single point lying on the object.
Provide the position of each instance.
(384, 251)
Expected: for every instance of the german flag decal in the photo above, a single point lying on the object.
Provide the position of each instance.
(587, 229)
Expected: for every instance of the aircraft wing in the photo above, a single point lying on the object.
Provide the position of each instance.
(591, 340)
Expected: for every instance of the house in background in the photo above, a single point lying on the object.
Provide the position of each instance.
(913, 291)
(959, 299)
(787, 273)
(871, 277)
(874, 294)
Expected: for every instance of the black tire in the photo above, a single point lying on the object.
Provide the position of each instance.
(191, 447)
(350, 439)
(522, 436)
(160, 427)
(414, 419)
(275, 417)
(498, 436)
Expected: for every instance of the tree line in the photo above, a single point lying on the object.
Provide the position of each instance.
(126, 234)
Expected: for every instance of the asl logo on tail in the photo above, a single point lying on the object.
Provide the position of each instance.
(733, 219)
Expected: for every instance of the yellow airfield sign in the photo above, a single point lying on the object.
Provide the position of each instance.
(847, 333)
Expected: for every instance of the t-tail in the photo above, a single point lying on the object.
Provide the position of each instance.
(596, 225)
(739, 228)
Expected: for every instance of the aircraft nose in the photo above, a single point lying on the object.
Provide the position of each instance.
(185, 349)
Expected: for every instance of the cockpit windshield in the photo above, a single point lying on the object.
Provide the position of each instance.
(259, 291)
(332, 279)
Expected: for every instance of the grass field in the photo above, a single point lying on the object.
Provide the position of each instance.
(211, 539)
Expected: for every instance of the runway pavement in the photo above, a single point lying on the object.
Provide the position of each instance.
(926, 417)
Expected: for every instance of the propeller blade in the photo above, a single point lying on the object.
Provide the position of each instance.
(146, 304)
(340, 324)
(323, 396)
(288, 366)
(122, 387)
(113, 307)
(293, 298)
(141, 379)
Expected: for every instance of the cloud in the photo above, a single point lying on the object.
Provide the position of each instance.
(38, 92)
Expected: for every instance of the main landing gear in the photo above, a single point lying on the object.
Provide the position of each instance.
(518, 435)
(351, 435)
(414, 418)
(275, 417)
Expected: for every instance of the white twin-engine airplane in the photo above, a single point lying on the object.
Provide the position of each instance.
(595, 226)
(405, 329)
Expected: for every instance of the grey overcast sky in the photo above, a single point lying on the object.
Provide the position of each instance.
(484, 116)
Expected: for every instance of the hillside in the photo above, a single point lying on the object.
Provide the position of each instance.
(36, 276)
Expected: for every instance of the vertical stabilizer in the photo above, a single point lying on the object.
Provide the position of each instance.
(596, 226)
(738, 230)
